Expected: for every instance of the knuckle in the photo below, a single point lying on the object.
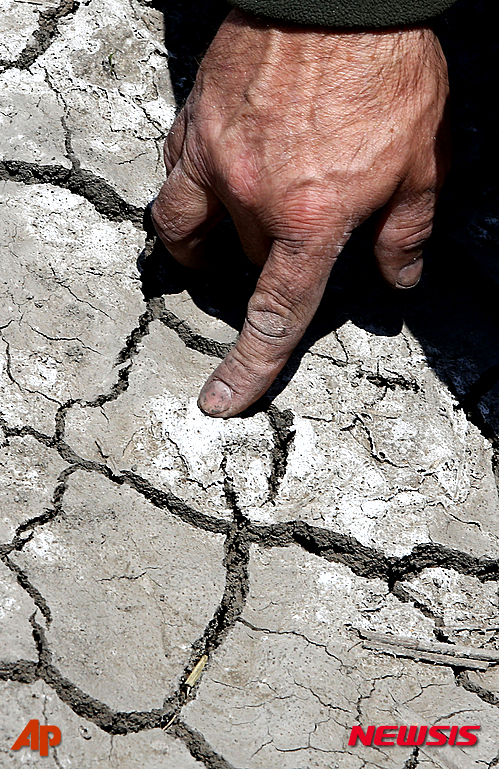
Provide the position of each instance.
(170, 226)
(405, 242)
(242, 182)
(407, 233)
(308, 208)
(409, 238)
(274, 314)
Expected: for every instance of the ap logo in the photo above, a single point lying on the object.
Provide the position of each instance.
(37, 737)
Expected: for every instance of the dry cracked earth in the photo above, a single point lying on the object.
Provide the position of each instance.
(333, 556)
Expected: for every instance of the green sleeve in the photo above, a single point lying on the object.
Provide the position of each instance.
(346, 13)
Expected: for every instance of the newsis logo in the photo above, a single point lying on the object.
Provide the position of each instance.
(414, 735)
(38, 737)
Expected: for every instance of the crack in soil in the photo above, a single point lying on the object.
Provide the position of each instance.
(236, 589)
(29, 588)
(368, 562)
(236, 563)
(111, 205)
(334, 547)
(126, 355)
(80, 703)
(48, 28)
(91, 709)
(413, 761)
(163, 500)
(192, 339)
(199, 748)
(281, 423)
(462, 679)
(390, 382)
(84, 183)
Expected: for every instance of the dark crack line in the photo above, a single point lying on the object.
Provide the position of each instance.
(236, 563)
(161, 499)
(95, 711)
(95, 190)
(378, 456)
(126, 355)
(48, 23)
(61, 488)
(283, 436)
(168, 501)
(19, 541)
(199, 748)
(63, 339)
(332, 546)
(91, 709)
(192, 339)
(8, 371)
(369, 562)
(113, 722)
(462, 679)
(30, 589)
(281, 423)
(390, 383)
(88, 707)
(413, 761)
(236, 588)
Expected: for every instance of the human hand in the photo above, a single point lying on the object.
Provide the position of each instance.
(301, 134)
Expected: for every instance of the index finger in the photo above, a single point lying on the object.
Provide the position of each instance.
(286, 297)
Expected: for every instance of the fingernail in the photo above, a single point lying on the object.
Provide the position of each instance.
(409, 276)
(215, 398)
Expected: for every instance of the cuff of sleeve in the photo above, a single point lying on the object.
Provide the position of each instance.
(346, 13)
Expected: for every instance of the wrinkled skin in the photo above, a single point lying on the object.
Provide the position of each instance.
(301, 134)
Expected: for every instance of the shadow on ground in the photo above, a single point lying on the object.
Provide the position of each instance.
(454, 312)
